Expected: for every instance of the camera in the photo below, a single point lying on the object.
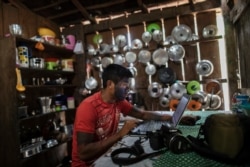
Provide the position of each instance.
(169, 137)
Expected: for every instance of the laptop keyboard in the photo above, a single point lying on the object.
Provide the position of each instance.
(152, 126)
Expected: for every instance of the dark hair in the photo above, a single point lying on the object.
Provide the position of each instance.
(115, 73)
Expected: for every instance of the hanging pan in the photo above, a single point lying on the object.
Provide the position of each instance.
(91, 82)
(166, 75)
(146, 37)
(119, 58)
(136, 44)
(120, 40)
(157, 36)
(181, 33)
(213, 87)
(155, 90)
(176, 52)
(209, 31)
(165, 98)
(160, 57)
(204, 68)
(193, 87)
(177, 90)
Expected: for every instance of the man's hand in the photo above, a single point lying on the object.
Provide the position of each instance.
(127, 127)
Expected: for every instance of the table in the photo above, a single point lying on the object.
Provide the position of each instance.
(170, 159)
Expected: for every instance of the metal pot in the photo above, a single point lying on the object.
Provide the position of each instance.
(181, 33)
(200, 96)
(177, 90)
(215, 101)
(204, 68)
(146, 37)
(213, 87)
(176, 52)
(155, 90)
(169, 40)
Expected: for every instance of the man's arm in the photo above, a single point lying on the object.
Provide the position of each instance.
(148, 115)
(89, 150)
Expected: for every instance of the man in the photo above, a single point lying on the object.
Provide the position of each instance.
(97, 117)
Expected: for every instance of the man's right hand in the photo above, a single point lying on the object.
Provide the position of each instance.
(127, 127)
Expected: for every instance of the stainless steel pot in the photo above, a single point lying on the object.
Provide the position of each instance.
(176, 52)
(177, 90)
(160, 57)
(144, 56)
(181, 33)
(209, 31)
(119, 59)
(136, 44)
(157, 36)
(204, 68)
(120, 40)
(155, 90)
(165, 98)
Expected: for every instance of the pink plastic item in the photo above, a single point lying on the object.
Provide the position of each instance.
(70, 42)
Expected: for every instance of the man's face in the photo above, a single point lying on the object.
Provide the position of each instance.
(121, 90)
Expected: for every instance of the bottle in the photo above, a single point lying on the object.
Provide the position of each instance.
(71, 102)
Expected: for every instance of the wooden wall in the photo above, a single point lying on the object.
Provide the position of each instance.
(30, 22)
(243, 42)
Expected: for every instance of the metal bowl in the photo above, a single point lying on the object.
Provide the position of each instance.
(15, 29)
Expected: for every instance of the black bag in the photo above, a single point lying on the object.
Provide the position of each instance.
(224, 137)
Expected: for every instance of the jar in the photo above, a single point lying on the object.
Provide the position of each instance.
(71, 102)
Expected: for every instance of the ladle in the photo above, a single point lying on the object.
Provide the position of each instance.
(19, 85)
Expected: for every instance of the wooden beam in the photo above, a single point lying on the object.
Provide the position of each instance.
(105, 5)
(83, 11)
(152, 16)
(50, 5)
(142, 6)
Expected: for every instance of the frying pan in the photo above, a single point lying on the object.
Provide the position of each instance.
(150, 69)
(146, 37)
(176, 52)
(193, 87)
(213, 87)
(181, 33)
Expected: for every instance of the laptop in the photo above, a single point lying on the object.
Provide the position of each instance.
(152, 125)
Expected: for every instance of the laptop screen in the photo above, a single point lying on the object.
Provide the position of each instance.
(182, 105)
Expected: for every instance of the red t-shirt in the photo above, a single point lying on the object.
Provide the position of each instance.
(95, 116)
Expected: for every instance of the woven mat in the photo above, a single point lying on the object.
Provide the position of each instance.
(191, 159)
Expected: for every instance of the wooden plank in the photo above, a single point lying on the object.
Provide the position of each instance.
(10, 16)
(152, 16)
(8, 105)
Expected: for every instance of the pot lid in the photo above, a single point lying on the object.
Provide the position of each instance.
(215, 101)
(209, 31)
(193, 87)
(152, 27)
(130, 57)
(155, 89)
(119, 59)
(146, 37)
(213, 87)
(144, 56)
(157, 35)
(136, 44)
(106, 61)
(160, 56)
(176, 52)
(97, 39)
(169, 40)
(166, 75)
(177, 90)
(120, 40)
(204, 68)
(150, 69)
(181, 33)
